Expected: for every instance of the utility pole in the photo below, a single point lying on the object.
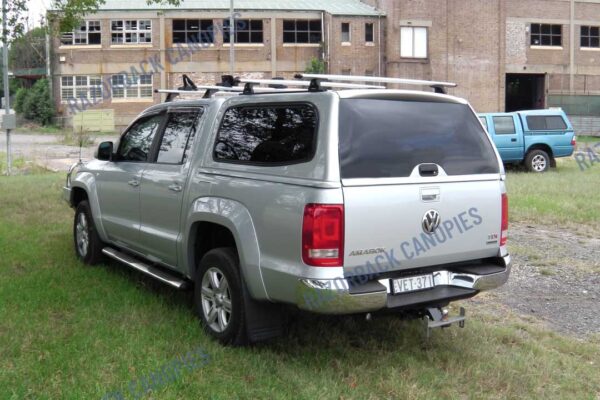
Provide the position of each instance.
(231, 39)
(6, 84)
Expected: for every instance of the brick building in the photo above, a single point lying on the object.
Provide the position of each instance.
(504, 54)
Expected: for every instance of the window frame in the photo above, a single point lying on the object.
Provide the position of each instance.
(126, 87)
(342, 32)
(88, 87)
(201, 33)
(152, 152)
(73, 34)
(309, 31)
(199, 111)
(215, 141)
(372, 25)
(247, 28)
(123, 32)
(589, 37)
(540, 35)
(413, 42)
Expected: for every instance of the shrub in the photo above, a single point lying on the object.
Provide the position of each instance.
(37, 103)
(315, 66)
(20, 100)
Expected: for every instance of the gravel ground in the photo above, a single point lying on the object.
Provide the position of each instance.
(555, 278)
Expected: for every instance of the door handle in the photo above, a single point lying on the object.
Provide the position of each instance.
(134, 183)
(175, 187)
(513, 140)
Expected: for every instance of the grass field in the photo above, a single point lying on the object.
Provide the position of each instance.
(75, 332)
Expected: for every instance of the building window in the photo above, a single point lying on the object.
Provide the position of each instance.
(546, 35)
(301, 31)
(131, 31)
(131, 86)
(193, 31)
(246, 31)
(369, 32)
(88, 33)
(413, 42)
(345, 32)
(80, 86)
(590, 36)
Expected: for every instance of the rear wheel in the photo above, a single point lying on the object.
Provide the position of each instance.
(219, 298)
(537, 161)
(88, 245)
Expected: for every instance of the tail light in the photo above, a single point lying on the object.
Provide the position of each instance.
(574, 141)
(323, 235)
(504, 225)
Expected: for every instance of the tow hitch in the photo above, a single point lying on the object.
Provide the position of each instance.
(439, 318)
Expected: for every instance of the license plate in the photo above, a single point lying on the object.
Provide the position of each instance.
(412, 284)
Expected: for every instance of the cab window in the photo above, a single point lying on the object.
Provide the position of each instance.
(136, 143)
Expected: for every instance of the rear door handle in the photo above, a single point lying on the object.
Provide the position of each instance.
(175, 187)
(134, 183)
(513, 140)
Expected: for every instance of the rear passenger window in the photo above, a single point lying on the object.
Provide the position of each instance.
(546, 123)
(267, 134)
(504, 125)
(178, 136)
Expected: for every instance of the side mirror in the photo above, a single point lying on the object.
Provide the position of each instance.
(105, 151)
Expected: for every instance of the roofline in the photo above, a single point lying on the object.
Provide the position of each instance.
(375, 14)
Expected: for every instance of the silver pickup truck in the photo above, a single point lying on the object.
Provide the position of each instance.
(336, 202)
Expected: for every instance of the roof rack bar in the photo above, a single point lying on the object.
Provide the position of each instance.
(200, 89)
(293, 82)
(354, 78)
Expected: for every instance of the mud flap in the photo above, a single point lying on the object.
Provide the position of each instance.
(264, 320)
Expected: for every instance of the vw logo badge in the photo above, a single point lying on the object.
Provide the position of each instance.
(431, 221)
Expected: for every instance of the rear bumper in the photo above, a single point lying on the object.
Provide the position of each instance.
(339, 296)
(67, 194)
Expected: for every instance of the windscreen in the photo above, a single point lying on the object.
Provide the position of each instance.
(388, 138)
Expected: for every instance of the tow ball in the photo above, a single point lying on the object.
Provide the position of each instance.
(440, 318)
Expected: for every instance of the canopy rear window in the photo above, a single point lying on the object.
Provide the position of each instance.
(388, 138)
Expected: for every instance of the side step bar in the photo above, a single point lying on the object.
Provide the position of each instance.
(155, 273)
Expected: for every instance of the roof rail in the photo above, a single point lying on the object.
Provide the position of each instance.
(250, 83)
(439, 87)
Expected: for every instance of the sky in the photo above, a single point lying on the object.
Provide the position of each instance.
(36, 8)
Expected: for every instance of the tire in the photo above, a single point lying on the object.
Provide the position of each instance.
(88, 245)
(219, 298)
(537, 161)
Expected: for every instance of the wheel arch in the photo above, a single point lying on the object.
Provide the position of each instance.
(83, 187)
(217, 222)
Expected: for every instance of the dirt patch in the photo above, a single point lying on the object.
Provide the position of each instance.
(555, 278)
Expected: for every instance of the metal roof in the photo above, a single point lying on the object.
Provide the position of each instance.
(334, 7)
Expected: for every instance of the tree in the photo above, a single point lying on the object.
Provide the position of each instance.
(67, 14)
(28, 50)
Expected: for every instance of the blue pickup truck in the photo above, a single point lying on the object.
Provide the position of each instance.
(535, 138)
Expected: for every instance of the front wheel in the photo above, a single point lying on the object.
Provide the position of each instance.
(88, 245)
(537, 161)
(218, 296)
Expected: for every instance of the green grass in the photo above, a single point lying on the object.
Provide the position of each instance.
(565, 195)
(68, 331)
(588, 139)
